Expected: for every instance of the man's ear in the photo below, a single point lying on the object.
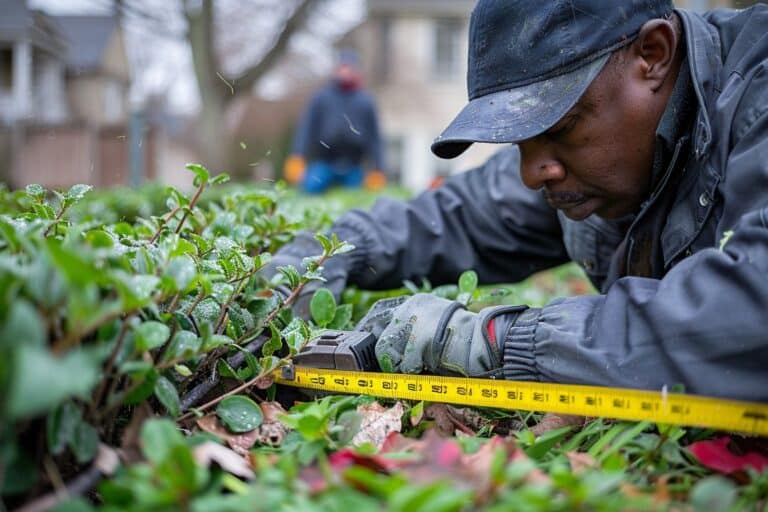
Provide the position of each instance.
(656, 47)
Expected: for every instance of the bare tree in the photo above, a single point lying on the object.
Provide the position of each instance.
(218, 89)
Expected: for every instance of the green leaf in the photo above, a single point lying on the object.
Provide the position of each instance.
(240, 413)
(166, 392)
(184, 345)
(23, 325)
(225, 370)
(76, 193)
(35, 191)
(60, 427)
(220, 179)
(151, 334)
(182, 370)
(274, 343)
(100, 239)
(202, 175)
(342, 318)
(325, 243)
(85, 442)
(468, 281)
(713, 493)
(291, 275)
(181, 271)
(323, 307)
(158, 437)
(143, 390)
(40, 380)
(215, 341)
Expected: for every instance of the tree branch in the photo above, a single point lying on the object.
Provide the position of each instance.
(249, 77)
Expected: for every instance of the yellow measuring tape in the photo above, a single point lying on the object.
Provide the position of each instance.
(626, 404)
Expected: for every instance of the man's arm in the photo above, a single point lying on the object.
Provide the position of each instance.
(484, 219)
(702, 325)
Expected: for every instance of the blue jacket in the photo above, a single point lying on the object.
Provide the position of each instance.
(340, 126)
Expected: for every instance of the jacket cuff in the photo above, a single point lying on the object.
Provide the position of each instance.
(356, 261)
(519, 361)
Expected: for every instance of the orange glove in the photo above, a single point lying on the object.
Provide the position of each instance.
(294, 169)
(375, 180)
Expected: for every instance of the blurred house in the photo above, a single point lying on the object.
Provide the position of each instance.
(415, 54)
(64, 113)
(415, 57)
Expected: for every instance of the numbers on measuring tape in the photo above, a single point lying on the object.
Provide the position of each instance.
(389, 385)
(617, 403)
(463, 390)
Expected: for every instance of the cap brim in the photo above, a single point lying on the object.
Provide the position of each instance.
(516, 114)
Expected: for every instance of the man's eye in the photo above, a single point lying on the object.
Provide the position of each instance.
(562, 129)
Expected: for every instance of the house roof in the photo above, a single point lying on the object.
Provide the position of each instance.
(422, 7)
(87, 38)
(19, 22)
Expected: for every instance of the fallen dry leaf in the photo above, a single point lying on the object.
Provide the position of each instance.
(377, 423)
(229, 461)
(270, 432)
(580, 462)
(554, 421)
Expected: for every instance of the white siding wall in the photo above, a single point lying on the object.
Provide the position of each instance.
(415, 106)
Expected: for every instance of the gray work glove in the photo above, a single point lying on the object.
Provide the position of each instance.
(334, 271)
(425, 333)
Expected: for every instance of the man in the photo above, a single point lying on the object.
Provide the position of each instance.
(338, 130)
(641, 153)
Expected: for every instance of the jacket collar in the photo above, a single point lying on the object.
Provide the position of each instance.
(705, 65)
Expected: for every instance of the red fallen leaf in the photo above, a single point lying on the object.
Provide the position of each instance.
(715, 455)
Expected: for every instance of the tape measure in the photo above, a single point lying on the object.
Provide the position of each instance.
(625, 404)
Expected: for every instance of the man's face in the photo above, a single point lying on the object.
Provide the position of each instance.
(598, 157)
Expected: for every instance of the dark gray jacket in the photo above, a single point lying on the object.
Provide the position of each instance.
(684, 285)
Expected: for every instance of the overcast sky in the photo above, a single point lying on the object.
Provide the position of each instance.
(162, 63)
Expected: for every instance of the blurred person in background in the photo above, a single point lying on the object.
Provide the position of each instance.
(337, 133)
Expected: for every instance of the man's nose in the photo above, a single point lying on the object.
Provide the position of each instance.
(538, 166)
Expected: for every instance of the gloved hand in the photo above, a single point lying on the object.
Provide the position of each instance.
(375, 180)
(425, 333)
(334, 271)
(294, 168)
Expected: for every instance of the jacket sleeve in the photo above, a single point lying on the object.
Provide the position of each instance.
(374, 141)
(702, 325)
(306, 126)
(484, 219)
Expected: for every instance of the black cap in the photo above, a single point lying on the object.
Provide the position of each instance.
(531, 60)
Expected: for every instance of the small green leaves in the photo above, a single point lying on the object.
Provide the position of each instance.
(323, 307)
(240, 413)
(35, 191)
(291, 275)
(76, 193)
(151, 335)
(202, 175)
(274, 342)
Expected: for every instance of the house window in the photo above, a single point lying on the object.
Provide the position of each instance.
(447, 48)
(6, 69)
